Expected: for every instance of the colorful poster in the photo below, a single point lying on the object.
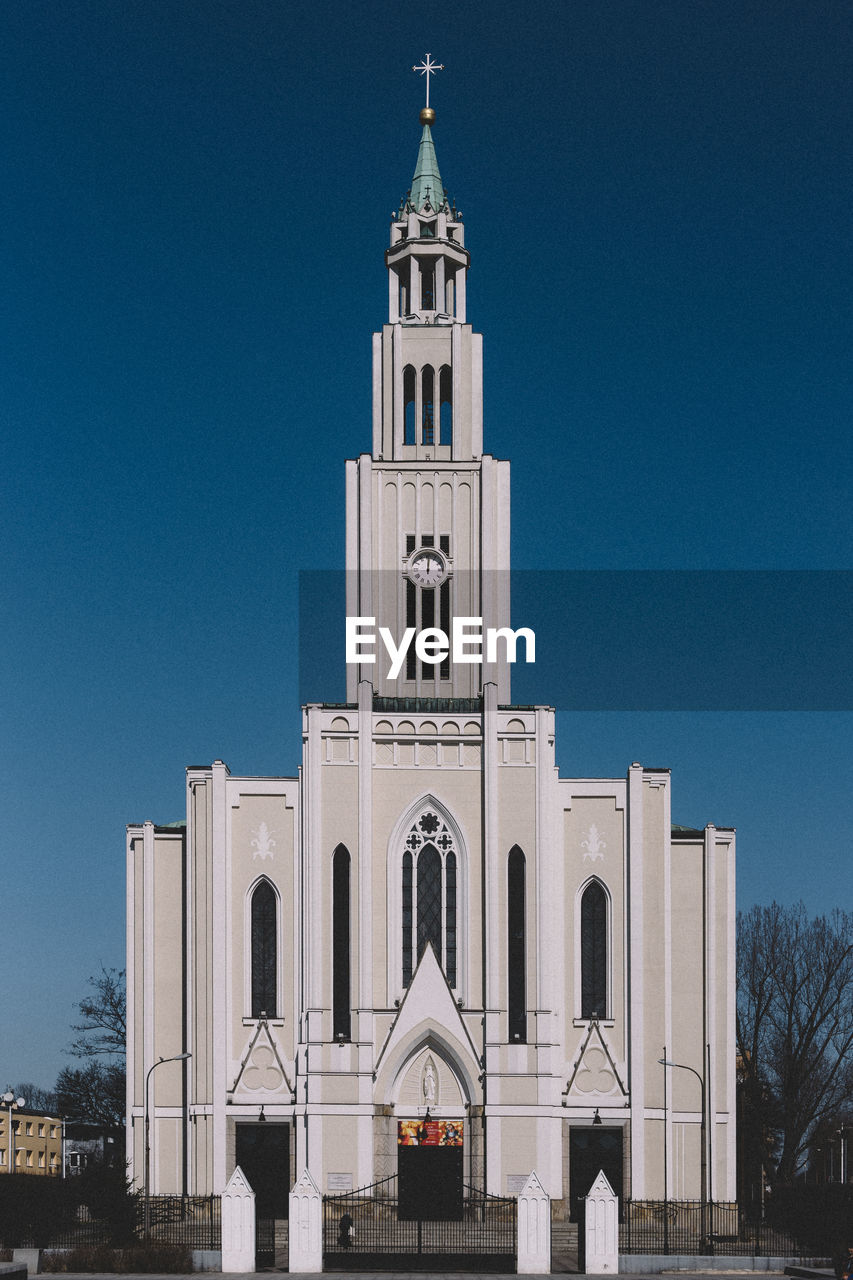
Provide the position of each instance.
(429, 1133)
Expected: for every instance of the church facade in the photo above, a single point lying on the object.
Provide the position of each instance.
(428, 925)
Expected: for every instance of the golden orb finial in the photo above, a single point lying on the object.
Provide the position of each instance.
(427, 115)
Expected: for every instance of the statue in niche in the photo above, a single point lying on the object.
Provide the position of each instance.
(430, 1083)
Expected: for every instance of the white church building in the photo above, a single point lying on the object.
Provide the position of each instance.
(426, 929)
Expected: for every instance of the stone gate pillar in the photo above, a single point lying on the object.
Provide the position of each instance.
(305, 1234)
(238, 1224)
(602, 1228)
(534, 1228)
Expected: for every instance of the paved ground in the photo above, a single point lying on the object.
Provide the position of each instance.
(394, 1275)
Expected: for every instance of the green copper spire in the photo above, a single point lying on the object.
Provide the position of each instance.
(427, 184)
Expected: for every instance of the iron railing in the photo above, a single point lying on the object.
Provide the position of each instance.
(363, 1229)
(691, 1227)
(193, 1221)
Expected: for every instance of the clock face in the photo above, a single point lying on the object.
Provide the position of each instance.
(427, 567)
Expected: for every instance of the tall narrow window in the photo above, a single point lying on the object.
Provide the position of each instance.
(428, 405)
(340, 944)
(429, 900)
(445, 398)
(427, 286)
(516, 947)
(430, 896)
(407, 919)
(264, 951)
(408, 405)
(594, 951)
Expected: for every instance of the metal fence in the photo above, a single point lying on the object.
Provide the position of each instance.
(689, 1227)
(363, 1229)
(193, 1222)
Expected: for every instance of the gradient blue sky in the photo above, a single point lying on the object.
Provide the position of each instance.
(195, 200)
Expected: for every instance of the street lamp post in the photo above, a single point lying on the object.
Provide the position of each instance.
(12, 1104)
(179, 1057)
(667, 1062)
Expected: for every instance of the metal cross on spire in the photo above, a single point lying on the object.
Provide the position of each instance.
(428, 68)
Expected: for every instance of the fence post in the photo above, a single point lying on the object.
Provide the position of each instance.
(534, 1228)
(305, 1237)
(238, 1224)
(602, 1228)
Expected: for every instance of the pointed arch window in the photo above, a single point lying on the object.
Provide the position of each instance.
(516, 947)
(341, 944)
(429, 884)
(264, 928)
(428, 405)
(445, 399)
(427, 285)
(409, 405)
(594, 951)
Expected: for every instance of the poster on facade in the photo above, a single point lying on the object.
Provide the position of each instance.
(429, 1133)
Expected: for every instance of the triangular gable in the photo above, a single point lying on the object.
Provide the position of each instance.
(532, 1187)
(594, 1030)
(262, 1070)
(428, 1000)
(305, 1185)
(238, 1184)
(601, 1187)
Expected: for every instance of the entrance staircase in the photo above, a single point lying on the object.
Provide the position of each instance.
(564, 1246)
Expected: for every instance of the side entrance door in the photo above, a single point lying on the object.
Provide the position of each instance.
(590, 1151)
(263, 1153)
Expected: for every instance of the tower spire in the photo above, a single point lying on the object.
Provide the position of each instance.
(427, 187)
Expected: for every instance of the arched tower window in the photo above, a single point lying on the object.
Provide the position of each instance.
(409, 405)
(427, 285)
(429, 884)
(516, 946)
(341, 944)
(445, 397)
(594, 951)
(428, 405)
(264, 951)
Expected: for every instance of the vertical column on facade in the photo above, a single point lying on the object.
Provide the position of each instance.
(492, 967)
(460, 294)
(438, 300)
(220, 1037)
(461, 431)
(667, 981)
(366, 997)
(148, 1012)
(729, 1192)
(636, 980)
(709, 1037)
(488, 559)
(546, 879)
(393, 296)
(415, 287)
(310, 1141)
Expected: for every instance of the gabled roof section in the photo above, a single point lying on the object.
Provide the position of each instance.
(427, 187)
(428, 1001)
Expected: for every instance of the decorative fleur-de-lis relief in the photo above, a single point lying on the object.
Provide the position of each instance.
(263, 842)
(593, 844)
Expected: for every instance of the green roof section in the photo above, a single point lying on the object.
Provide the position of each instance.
(427, 184)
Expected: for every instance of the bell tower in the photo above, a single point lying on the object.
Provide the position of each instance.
(427, 510)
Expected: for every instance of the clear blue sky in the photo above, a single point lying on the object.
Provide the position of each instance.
(195, 201)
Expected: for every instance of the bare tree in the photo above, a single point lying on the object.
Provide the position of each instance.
(104, 1028)
(35, 1097)
(795, 1021)
(94, 1093)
